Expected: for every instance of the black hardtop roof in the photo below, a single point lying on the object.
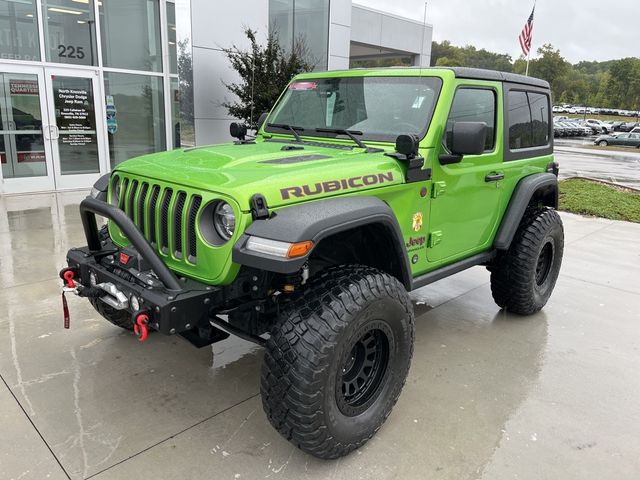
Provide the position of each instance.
(482, 74)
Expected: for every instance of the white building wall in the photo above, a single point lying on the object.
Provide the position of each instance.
(217, 25)
(388, 31)
(339, 34)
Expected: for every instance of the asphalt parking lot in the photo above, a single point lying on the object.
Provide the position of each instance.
(489, 395)
(614, 166)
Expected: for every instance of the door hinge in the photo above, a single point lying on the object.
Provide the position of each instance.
(435, 238)
(438, 189)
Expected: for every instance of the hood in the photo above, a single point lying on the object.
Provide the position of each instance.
(282, 175)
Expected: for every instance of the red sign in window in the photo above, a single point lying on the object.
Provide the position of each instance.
(303, 86)
(23, 87)
(30, 157)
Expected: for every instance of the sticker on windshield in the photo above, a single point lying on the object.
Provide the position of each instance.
(418, 102)
(303, 86)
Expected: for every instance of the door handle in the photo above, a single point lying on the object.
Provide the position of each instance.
(55, 133)
(494, 177)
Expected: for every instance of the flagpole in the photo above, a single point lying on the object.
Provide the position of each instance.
(526, 73)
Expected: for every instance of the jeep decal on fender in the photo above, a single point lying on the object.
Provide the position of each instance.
(335, 185)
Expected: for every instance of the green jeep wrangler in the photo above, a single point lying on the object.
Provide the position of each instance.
(358, 187)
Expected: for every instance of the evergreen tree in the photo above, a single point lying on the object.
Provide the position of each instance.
(264, 71)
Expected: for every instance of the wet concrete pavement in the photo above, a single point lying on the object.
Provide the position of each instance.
(620, 167)
(489, 395)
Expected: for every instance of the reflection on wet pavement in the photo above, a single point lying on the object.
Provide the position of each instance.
(612, 166)
(489, 395)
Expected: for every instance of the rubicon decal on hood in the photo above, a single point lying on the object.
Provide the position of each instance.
(336, 185)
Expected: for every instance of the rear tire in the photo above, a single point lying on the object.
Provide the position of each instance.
(523, 278)
(337, 360)
(120, 318)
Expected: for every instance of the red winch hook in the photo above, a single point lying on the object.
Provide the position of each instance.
(140, 327)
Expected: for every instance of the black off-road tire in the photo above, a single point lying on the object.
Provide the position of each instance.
(120, 318)
(523, 278)
(342, 316)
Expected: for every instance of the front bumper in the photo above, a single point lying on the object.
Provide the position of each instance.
(136, 276)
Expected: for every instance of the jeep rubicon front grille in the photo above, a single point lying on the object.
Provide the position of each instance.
(167, 218)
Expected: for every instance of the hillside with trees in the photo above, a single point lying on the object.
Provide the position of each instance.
(610, 84)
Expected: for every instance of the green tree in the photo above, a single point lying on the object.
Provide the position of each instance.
(264, 71)
(550, 66)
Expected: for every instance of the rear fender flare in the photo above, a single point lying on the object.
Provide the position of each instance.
(542, 185)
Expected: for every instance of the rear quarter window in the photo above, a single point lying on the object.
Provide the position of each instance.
(528, 119)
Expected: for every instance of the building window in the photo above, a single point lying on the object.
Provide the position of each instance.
(305, 21)
(528, 115)
(70, 31)
(172, 37)
(19, 38)
(473, 105)
(136, 106)
(130, 34)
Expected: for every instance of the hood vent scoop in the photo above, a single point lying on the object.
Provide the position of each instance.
(296, 159)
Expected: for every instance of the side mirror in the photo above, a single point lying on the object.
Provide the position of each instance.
(261, 120)
(467, 138)
(238, 131)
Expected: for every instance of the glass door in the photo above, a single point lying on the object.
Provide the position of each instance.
(76, 136)
(25, 153)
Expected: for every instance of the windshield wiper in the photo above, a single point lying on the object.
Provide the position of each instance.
(293, 129)
(349, 133)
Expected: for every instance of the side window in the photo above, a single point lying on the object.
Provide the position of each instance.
(539, 104)
(519, 120)
(473, 105)
(528, 119)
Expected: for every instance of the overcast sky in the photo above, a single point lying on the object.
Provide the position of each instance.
(581, 29)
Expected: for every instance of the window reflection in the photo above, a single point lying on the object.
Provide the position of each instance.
(130, 34)
(70, 31)
(19, 30)
(304, 21)
(137, 126)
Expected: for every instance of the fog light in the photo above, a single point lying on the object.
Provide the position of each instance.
(93, 280)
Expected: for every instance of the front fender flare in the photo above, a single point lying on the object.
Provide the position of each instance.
(315, 221)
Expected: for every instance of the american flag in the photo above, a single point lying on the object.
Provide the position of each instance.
(526, 34)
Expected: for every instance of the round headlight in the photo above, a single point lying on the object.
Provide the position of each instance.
(224, 220)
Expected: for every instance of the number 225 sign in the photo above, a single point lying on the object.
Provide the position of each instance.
(69, 51)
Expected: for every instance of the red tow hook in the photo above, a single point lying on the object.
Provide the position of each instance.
(70, 286)
(140, 327)
(68, 276)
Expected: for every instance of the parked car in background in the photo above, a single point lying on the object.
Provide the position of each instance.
(635, 129)
(623, 140)
(627, 127)
(559, 130)
(597, 126)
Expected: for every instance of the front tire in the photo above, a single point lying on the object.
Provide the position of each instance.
(337, 360)
(523, 278)
(603, 143)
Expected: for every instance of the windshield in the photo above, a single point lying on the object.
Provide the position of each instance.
(380, 107)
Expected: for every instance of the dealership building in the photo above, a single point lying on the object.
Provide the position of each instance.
(87, 84)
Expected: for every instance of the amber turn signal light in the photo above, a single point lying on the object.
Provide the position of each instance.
(299, 249)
